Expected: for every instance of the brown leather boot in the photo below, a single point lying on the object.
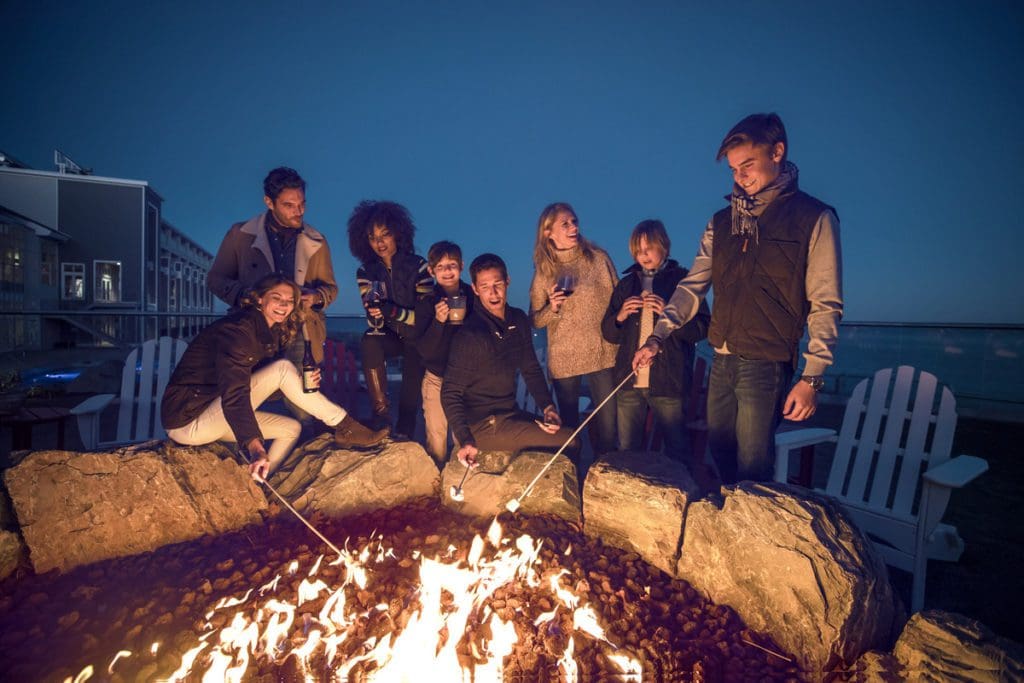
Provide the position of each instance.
(377, 386)
(352, 434)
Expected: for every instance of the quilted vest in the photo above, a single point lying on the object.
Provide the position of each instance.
(760, 305)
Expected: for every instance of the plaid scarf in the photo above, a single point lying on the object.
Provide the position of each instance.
(746, 209)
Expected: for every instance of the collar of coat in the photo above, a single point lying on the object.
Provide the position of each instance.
(257, 226)
(665, 265)
(307, 243)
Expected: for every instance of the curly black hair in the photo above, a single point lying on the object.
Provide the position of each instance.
(369, 214)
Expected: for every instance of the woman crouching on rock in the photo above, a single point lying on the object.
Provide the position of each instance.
(233, 366)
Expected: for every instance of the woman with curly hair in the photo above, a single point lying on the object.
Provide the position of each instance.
(380, 236)
(236, 364)
(576, 348)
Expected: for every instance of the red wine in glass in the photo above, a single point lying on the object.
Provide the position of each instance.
(567, 283)
(374, 298)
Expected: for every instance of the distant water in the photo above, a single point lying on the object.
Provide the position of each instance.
(981, 364)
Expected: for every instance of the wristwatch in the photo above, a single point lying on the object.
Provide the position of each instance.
(817, 382)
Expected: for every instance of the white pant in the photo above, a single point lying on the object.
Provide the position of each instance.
(210, 425)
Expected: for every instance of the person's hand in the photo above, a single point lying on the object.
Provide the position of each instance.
(259, 465)
(556, 296)
(441, 310)
(375, 312)
(552, 421)
(259, 469)
(644, 356)
(801, 402)
(309, 298)
(316, 377)
(656, 303)
(629, 307)
(467, 455)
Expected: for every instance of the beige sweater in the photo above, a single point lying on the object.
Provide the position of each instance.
(575, 343)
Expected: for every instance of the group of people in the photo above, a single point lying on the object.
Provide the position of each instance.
(772, 258)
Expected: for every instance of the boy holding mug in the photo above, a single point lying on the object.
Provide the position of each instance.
(438, 317)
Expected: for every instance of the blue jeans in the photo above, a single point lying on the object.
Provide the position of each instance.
(745, 399)
(668, 417)
(567, 393)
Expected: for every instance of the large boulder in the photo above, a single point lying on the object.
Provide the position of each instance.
(792, 565)
(11, 552)
(503, 476)
(943, 646)
(7, 519)
(637, 502)
(321, 477)
(78, 508)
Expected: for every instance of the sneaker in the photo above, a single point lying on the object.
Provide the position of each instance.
(353, 434)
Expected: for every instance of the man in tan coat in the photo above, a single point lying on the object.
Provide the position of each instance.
(278, 240)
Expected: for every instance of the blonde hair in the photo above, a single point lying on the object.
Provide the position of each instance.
(544, 261)
(654, 232)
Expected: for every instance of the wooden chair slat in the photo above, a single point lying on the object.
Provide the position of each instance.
(891, 447)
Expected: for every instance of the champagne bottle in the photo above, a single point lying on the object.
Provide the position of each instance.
(309, 384)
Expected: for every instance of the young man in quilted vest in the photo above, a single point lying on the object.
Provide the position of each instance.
(773, 259)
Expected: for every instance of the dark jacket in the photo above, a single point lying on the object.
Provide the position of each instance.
(245, 256)
(407, 281)
(760, 296)
(433, 338)
(672, 368)
(219, 363)
(480, 379)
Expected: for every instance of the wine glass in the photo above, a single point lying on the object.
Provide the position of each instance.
(374, 298)
(566, 282)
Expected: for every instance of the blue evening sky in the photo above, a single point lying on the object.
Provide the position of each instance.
(905, 116)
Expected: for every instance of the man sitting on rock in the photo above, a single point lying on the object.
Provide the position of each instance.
(479, 389)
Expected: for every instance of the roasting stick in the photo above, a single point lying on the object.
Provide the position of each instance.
(293, 510)
(514, 504)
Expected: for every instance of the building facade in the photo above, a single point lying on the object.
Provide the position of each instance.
(29, 258)
(99, 247)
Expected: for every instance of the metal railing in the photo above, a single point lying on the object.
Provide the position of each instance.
(981, 363)
(58, 328)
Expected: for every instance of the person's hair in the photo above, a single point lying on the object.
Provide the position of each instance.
(654, 232)
(282, 178)
(438, 250)
(544, 260)
(290, 329)
(366, 216)
(757, 129)
(486, 262)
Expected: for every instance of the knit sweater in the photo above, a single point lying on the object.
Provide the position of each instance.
(575, 343)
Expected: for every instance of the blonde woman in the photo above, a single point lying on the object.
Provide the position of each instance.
(572, 283)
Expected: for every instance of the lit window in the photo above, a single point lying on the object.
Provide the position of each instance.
(107, 281)
(72, 277)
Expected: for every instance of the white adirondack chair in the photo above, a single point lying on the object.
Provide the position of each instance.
(892, 470)
(143, 380)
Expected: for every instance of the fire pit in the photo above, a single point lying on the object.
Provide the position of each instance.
(419, 593)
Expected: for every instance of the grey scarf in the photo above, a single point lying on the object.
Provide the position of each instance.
(746, 209)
